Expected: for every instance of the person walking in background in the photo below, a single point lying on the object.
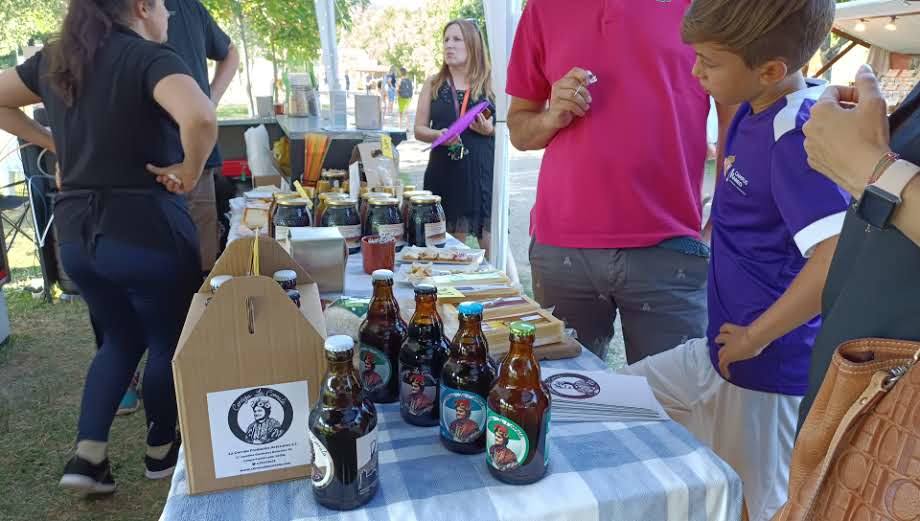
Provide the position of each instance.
(405, 91)
(347, 82)
(617, 220)
(197, 38)
(461, 174)
(390, 90)
(130, 245)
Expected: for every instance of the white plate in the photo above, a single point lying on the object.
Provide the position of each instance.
(474, 257)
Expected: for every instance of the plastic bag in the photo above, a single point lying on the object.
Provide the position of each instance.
(259, 152)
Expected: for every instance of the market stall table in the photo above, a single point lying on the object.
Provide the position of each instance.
(598, 471)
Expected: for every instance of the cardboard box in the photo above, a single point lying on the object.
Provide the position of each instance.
(367, 112)
(379, 170)
(270, 180)
(323, 253)
(247, 368)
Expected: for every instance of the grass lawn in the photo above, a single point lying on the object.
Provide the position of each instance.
(42, 368)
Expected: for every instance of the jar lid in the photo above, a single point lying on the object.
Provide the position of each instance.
(218, 280)
(408, 188)
(340, 203)
(383, 201)
(415, 193)
(384, 190)
(426, 289)
(470, 308)
(375, 195)
(522, 329)
(284, 275)
(425, 199)
(294, 201)
(339, 344)
(285, 195)
(382, 275)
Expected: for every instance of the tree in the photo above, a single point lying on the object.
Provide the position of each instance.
(22, 20)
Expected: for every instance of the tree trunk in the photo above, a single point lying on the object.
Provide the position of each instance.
(238, 11)
(274, 71)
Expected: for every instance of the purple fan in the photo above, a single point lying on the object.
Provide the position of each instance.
(459, 126)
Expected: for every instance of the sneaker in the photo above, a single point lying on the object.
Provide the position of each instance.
(162, 468)
(86, 478)
(130, 402)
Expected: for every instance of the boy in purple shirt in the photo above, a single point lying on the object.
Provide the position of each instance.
(775, 224)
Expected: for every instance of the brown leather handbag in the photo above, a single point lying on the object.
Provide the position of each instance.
(858, 454)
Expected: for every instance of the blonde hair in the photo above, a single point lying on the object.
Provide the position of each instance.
(479, 65)
(761, 30)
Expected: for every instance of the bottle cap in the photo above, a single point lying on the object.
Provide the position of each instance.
(522, 329)
(339, 344)
(426, 289)
(382, 275)
(470, 308)
(218, 280)
(285, 275)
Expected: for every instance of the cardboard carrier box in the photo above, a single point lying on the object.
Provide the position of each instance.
(247, 369)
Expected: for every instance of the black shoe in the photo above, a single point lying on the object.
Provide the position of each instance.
(86, 478)
(163, 468)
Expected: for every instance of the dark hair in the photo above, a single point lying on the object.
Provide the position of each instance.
(86, 27)
(759, 31)
(403, 71)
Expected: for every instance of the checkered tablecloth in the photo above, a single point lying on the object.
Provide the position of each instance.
(598, 471)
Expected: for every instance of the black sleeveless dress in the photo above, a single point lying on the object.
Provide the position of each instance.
(465, 186)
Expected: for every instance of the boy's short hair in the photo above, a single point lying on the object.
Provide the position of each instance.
(761, 30)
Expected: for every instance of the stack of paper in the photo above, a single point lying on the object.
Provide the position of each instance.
(581, 396)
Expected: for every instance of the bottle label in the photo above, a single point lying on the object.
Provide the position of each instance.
(366, 451)
(507, 445)
(418, 391)
(323, 469)
(436, 234)
(463, 415)
(352, 235)
(281, 233)
(396, 230)
(375, 368)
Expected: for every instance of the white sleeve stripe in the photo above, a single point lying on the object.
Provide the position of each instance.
(818, 232)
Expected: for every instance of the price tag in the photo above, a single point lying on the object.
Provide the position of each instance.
(386, 146)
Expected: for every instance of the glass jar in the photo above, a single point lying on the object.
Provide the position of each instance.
(335, 178)
(290, 213)
(427, 225)
(407, 198)
(324, 203)
(277, 196)
(365, 203)
(343, 214)
(383, 218)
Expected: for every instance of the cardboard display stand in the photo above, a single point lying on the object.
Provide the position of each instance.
(247, 369)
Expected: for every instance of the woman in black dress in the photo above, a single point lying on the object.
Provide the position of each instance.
(460, 174)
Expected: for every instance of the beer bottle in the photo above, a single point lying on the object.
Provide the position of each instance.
(421, 359)
(518, 414)
(343, 431)
(382, 335)
(465, 382)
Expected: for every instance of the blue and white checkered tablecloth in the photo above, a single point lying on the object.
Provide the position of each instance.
(598, 471)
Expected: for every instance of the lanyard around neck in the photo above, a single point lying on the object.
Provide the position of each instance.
(453, 92)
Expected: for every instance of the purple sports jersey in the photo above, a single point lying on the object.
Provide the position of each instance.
(770, 210)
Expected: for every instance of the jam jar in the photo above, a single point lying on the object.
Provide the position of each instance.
(290, 213)
(343, 214)
(427, 225)
(383, 218)
(277, 196)
(324, 203)
(406, 200)
(365, 198)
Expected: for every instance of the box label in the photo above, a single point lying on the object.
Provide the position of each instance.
(259, 429)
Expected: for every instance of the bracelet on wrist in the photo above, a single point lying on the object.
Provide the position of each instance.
(883, 164)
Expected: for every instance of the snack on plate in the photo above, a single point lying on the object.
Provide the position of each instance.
(410, 255)
(453, 256)
(420, 271)
(429, 254)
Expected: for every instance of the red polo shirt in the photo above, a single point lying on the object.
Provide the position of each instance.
(629, 173)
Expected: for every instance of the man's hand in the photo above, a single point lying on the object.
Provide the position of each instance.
(737, 345)
(180, 178)
(569, 98)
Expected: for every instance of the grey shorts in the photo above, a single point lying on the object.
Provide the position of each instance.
(660, 294)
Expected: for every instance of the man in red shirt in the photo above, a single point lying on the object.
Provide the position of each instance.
(616, 224)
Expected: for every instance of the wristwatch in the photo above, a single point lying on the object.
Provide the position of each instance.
(881, 198)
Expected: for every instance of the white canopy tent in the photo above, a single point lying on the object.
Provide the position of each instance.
(865, 21)
(501, 22)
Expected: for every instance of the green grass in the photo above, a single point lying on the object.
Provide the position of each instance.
(42, 369)
(232, 111)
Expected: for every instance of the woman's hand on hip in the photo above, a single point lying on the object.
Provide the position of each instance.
(180, 178)
(848, 132)
(483, 126)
